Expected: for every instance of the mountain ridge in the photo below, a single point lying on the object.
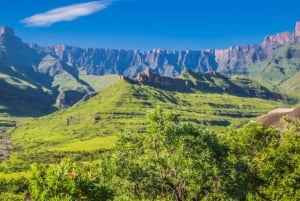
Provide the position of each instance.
(65, 74)
(170, 63)
(209, 82)
(101, 61)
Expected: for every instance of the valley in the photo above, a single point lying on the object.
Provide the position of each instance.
(63, 106)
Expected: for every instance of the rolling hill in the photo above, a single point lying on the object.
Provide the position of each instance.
(92, 125)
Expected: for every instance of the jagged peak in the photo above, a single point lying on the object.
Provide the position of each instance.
(297, 29)
(278, 39)
(146, 73)
(7, 30)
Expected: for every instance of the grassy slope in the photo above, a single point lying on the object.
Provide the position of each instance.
(292, 86)
(68, 78)
(213, 81)
(122, 107)
(279, 73)
(98, 83)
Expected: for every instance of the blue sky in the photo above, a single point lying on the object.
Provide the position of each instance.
(148, 24)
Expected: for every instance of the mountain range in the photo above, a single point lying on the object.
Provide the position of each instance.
(60, 75)
(80, 103)
(98, 61)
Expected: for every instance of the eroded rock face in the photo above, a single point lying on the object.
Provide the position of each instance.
(6, 30)
(277, 40)
(147, 77)
(297, 29)
(7, 36)
(100, 61)
(233, 58)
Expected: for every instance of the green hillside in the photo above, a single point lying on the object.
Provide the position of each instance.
(92, 125)
(292, 85)
(280, 72)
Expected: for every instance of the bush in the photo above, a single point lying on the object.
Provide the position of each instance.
(67, 181)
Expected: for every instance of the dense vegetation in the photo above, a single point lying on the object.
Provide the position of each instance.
(123, 107)
(89, 128)
(177, 161)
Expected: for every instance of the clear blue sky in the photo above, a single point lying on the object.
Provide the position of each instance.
(148, 24)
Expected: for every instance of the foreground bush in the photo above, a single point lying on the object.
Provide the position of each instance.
(67, 181)
(179, 162)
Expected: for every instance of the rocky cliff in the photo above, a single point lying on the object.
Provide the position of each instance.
(100, 61)
(297, 29)
(46, 62)
(233, 60)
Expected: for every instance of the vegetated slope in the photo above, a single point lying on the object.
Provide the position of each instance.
(238, 85)
(281, 71)
(122, 107)
(34, 82)
(292, 85)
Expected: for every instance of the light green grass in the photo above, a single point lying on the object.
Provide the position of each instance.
(123, 107)
(14, 175)
(106, 142)
(292, 86)
(98, 83)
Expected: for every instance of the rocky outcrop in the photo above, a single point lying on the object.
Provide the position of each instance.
(6, 30)
(233, 59)
(274, 118)
(149, 78)
(277, 40)
(297, 29)
(68, 98)
(17, 53)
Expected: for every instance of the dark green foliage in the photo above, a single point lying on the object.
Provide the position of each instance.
(181, 162)
(265, 162)
(13, 189)
(175, 161)
(170, 162)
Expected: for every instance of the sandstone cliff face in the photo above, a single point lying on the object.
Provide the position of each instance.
(146, 77)
(99, 61)
(164, 62)
(277, 40)
(233, 60)
(297, 29)
(6, 30)
(17, 53)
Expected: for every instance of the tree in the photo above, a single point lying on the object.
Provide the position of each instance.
(279, 166)
(171, 162)
(265, 162)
